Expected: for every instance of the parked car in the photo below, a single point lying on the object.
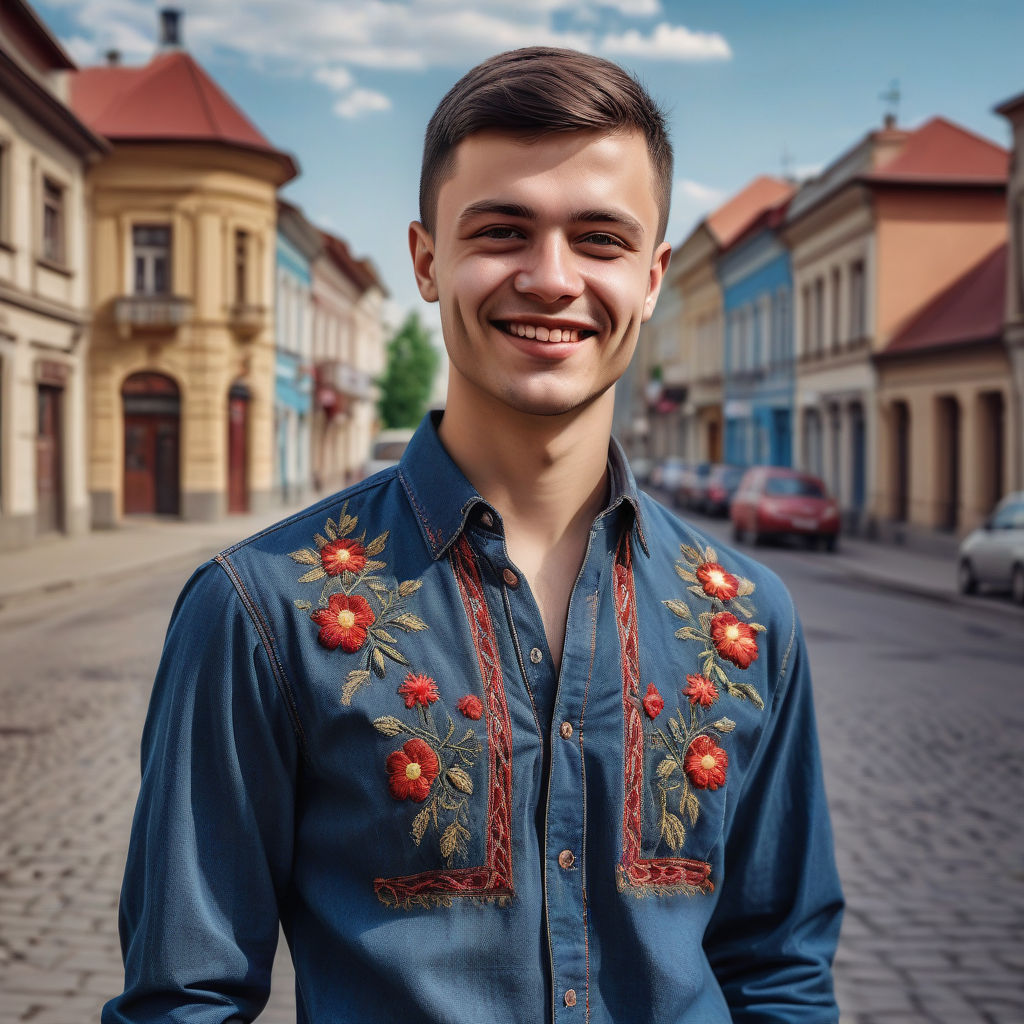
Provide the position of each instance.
(693, 485)
(388, 448)
(772, 501)
(667, 474)
(993, 555)
(722, 484)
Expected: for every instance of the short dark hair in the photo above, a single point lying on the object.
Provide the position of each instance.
(536, 90)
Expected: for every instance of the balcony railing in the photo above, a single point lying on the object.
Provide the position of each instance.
(247, 319)
(142, 313)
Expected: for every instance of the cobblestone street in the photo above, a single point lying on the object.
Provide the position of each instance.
(921, 720)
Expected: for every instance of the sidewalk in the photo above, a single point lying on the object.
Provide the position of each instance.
(62, 563)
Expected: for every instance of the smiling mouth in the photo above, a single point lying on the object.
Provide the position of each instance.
(538, 332)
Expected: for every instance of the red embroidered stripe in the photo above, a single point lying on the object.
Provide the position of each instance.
(493, 879)
(658, 873)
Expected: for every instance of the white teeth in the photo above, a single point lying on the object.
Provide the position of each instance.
(553, 334)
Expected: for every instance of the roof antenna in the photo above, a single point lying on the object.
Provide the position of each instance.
(892, 98)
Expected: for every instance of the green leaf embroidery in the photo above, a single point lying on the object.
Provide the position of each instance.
(305, 557)
(376, 546)
(678, 608)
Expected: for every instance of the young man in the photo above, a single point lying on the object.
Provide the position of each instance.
(494, 735)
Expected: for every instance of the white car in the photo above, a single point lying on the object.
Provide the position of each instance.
(993, 554)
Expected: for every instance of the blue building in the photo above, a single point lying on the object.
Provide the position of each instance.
(298, 244)
(759, 373)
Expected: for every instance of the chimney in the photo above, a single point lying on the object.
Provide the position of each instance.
(113, 58)
(170, 29)
(890, 122)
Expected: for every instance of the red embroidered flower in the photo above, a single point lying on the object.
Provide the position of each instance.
(701, 691)
(342, 556)
(717, 582)
(418, 690)
(653, 702)
(411, 771)
(733, 639)
(470, 706)
(705, 763)
(344, 621)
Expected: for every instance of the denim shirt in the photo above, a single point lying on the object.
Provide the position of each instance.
(357, 729)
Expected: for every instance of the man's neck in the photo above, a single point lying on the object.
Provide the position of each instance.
(548, 478)
(542, 473)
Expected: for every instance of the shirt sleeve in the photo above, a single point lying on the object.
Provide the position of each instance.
(773, 934)
(211, 845)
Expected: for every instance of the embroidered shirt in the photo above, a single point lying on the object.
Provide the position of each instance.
(345, 736)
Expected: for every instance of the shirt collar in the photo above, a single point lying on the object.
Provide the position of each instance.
(443, 499)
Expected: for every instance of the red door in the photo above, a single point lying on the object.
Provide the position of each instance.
(49, 481)
(238, 455)
(151, 445)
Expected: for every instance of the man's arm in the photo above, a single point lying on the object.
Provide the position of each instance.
(772, 937)
(211, 844)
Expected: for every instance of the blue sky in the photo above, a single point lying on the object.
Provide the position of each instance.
(347, 86)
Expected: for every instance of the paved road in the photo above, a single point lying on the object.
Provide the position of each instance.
(921, 718)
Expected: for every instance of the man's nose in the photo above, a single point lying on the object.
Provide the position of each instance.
(551, 272)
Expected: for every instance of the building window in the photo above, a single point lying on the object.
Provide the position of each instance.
(4, 175)
(151, 255)
(241, 266)
(53, 221)
(819, 315)
(835, 308)
(858, 314)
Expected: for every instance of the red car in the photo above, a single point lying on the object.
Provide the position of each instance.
(774, 502)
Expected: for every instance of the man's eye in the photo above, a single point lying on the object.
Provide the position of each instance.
(600, 238)
(500, 233)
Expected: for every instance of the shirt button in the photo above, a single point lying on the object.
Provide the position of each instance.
(570, 997)
(565, 730)
(511, 578)
(566, 859)
(536, 656)
(487, 519)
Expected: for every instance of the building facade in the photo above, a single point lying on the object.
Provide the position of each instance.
(879, 234)
(1013, 111)
(182, 364)
(44, 286)
(758, 355)
(348, 359)
(298, 245)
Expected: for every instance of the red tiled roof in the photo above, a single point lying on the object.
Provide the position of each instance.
(171, 98)
(771, 217)
(361, 271)
(970, 309)
(942, 152)
(734, 216)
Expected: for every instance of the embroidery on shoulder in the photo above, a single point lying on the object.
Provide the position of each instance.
(692, 741)
(432, 769)
(358, 607)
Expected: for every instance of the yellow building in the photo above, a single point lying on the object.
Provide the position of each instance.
(181, 376)
(44, 294)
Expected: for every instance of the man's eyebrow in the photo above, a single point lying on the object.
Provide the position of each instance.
(608, 217)
(497, 207)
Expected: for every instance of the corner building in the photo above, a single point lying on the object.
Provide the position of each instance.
(182, 367)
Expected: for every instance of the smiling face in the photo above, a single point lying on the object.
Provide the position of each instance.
(545, 265)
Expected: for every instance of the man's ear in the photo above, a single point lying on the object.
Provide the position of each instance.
(659, 264)
(421, 248)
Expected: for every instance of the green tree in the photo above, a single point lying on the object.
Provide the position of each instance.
(409, 376)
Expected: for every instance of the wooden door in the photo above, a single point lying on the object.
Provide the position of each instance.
(49, 458)
(238, 454)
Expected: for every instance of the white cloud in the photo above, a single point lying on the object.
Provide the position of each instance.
(669, 42)
(632, 8)
(337, 79)
(698, 194)
(361, 101)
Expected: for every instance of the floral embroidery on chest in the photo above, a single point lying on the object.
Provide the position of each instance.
(683, 722)
(692, 738)
(358, 611)
(430, 767)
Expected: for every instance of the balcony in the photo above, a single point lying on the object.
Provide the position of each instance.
(345, 379)
(142, 314)
(247, 319)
